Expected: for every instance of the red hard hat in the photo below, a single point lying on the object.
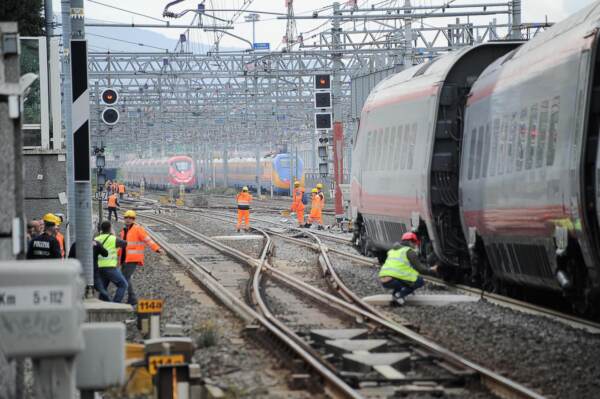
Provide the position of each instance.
(410, 236)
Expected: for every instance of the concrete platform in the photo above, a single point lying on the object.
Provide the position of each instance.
(341, 346)
(100, 311)
(322, 335)
(421, 300)
(365, 362)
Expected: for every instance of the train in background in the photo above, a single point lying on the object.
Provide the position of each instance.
(161, 173)
(491, 154)
(275, 171)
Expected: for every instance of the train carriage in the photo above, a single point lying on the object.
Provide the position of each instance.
(161, 173)
(529, 181)
(406, 154)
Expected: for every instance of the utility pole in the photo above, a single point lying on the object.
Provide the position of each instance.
(78, 133)
(66, 70)
(338, 129)
(516, 20)
(290, 37)
(252, 17)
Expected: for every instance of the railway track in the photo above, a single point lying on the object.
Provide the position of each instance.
(427, 365)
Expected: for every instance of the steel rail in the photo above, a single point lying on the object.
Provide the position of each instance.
(501, 300)
(497, 383)
(335, 386)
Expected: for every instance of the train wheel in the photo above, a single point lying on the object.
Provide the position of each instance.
(362, 241)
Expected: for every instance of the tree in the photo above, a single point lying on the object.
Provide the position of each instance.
(28, 13)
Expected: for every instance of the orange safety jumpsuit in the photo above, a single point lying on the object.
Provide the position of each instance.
(121, 190)
(136, 238)
(61, 242)
(243, 203)
(297, 205)
(315, 210)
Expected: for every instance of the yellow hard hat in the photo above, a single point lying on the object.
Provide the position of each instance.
(51, 218)
(244, 188)
(129, 214)
(314, 190)
(296, 183)
(319, 185)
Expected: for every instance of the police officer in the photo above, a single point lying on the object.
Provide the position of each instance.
(45, 246)
(400, 270)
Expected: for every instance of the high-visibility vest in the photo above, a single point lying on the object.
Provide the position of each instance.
(109, 242)
(136, 239)
(121, 189)
(398, 266)
(243, 200)
(112, 201)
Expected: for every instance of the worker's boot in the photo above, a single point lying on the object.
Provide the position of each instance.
(307, 225)
(397, 300)
(320, 227)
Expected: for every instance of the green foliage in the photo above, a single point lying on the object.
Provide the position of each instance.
(28, 13)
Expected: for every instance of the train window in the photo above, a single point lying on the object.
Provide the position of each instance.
(532, 137)
(503, 145)
(542, 131)
(522, 139)
(510, 142)
(380, 150)
(494, 148)
(553, 137)
(405, 139)
(386, 150)
(478, 154)
(397, 147)
(412, 145)
(472, 153)
(367, 151)
(182, 166)
(486, 151)
(392, 148)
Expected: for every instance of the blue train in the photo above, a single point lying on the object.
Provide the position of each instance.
(275, 170)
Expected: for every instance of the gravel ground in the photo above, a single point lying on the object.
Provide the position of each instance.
(236, 364)
(547, 356)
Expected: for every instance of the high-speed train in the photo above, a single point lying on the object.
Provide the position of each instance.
(161, 173)
(490, 153)
(275, 169)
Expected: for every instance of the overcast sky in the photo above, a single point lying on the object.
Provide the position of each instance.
(271, 30)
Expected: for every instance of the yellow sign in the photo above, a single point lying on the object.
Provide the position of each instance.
(150, 306)
(161, 360)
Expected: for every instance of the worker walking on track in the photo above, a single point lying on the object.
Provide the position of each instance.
(121, 190)
(133, 255)
(298, 203)
(107, 265)
(316, 208)
(45, 245)
(113, 204)
(400, 270)
(243, 204)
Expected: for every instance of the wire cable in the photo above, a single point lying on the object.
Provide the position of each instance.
(127, 11)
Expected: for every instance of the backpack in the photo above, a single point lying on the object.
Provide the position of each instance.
(305, 198)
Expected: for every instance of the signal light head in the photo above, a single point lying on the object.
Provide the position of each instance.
(322, 82)
(110, 96)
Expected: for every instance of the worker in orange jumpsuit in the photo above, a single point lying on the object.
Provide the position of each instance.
(321, 194)
(315, 210)
(59, 236)
(113, 204)
(121, 190)
(243, 204)
(133, 255)
(298, 203)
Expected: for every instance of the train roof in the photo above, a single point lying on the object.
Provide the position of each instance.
(545, 50)
(421, 79)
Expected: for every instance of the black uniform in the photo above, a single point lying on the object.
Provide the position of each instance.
(44, 246)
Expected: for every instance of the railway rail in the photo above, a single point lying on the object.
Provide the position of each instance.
(590, 326)
(336, 384)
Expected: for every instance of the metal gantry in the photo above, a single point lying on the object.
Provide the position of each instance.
(186, 102)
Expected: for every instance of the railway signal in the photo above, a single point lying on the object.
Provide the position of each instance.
(323, 82)
(322, 99)
(323, 120)
(110, 115)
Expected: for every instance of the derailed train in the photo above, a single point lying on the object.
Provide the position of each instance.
(490, 153)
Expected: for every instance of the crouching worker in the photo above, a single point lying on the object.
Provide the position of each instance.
(399, 272)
